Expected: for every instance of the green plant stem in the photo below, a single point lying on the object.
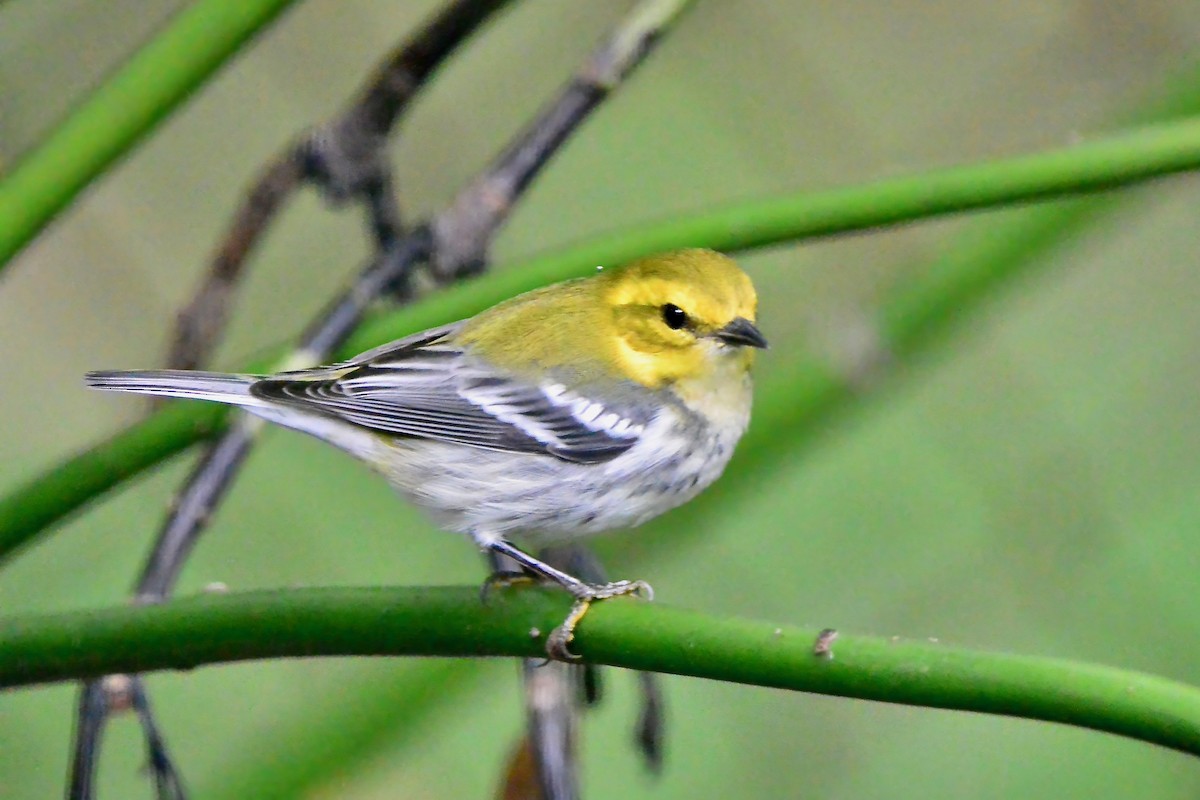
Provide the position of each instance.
(99, 468)
(126, 107)
(451, 621)
(1124, 158)
(1114, 161)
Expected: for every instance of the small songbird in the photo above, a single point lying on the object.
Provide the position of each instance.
(588, 405)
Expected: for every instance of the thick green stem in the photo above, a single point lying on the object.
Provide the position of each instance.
(123, 110)
(1125, 158)
(449, 621)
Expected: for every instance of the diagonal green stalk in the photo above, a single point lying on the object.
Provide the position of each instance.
(148, 87)
(451, 621)
(1119, 160)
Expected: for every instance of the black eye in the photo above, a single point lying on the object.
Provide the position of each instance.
(674, 316)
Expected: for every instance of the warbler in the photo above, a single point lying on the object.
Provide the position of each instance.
(588, 405)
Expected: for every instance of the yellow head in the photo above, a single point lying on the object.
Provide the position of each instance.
(677, 317)
(679, 314)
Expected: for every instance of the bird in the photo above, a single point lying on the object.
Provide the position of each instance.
(589, 405)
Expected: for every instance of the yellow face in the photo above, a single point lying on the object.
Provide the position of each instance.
(682, 316)
(668, 319)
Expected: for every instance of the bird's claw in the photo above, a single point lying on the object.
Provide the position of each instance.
(559, 639)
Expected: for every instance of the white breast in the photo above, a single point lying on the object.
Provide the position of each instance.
(546, 499)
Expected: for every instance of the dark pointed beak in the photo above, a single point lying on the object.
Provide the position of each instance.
(741, 332)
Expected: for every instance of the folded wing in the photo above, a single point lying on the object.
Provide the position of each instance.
(426, 387)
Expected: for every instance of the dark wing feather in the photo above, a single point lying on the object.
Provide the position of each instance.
(427, 388)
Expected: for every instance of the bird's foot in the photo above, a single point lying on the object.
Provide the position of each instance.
(586, 594)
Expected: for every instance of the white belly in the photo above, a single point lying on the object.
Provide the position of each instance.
(547, 499)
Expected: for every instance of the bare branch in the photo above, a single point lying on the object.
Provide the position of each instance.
(344, 158)
(199, 324)
(463, 233)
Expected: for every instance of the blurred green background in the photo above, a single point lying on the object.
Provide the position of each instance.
(1033, 487)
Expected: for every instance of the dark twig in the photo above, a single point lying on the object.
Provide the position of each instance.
(92, 714)
(190, 512)
(465, 231)
(212, 477)
(199, 324)
(462, 235)
(97, 701)
(344, 158)
(167, 782)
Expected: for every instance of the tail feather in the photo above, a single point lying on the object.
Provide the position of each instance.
(218, 386)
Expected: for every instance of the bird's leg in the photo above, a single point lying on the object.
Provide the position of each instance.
(584, 593)
(649, 733)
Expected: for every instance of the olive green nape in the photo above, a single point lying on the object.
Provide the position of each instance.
(541, 329)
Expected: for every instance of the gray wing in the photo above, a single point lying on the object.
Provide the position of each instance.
(425, 387)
